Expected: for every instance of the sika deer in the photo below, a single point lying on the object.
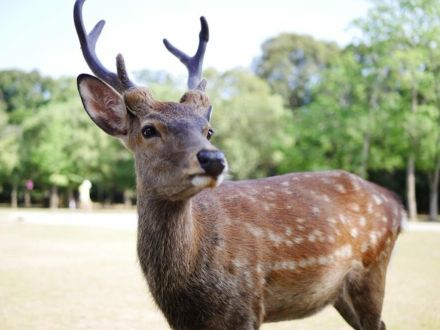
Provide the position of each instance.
(240, 253)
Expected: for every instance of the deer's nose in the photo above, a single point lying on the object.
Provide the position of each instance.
(212, 161)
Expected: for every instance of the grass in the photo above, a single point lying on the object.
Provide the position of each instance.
(62, 277)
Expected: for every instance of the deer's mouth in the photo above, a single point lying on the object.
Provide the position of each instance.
(206, 181)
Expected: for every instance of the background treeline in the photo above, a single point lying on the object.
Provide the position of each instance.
(372, 108)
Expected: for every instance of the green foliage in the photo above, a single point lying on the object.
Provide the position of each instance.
(292, 65)
(310, 106)
(9, 136)
(25, 91)
(249, 122)
(164, 86)
(55, 143)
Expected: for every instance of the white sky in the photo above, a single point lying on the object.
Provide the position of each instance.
(39, 34)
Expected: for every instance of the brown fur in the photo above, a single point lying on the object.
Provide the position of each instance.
(249, 252)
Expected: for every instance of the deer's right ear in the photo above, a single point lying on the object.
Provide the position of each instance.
(104, 105)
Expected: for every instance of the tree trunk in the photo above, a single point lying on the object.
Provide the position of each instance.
(27, 198)
(71, 201)
(127, 199)
(433, 178)
(411, 188)
(410, 168)
(54, 198)
(365, 155)
(14, 196)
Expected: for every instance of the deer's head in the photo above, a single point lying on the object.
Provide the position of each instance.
(169, 140)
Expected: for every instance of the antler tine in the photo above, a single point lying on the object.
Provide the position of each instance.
(119, 81)
(193, 64)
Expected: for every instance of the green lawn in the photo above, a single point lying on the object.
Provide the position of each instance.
(61, 277)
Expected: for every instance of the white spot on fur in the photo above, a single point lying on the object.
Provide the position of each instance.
(248, 279)
(275, 238)
(395, 211)
(300, 220)
(302, 263)
(340, 188)
(239, 262)
(355, 183)
(288, 231)
(364, 247)
(354, 207)
(356, 264)
(326, 198)
(373, 237)
(354, 232)
(343, 218)
(331, 239)
(323, 260)
(255, 231)
(298, 240)
(377, 199)
(285, 183)
(315, 210)
(362, 221)
(344, 251)
(369, 208)
(317, 232)
(286, 265)
(311, 261)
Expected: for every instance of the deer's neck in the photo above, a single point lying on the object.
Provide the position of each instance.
(167, 241)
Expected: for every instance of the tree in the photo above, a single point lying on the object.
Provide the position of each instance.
(407, 30)
(249, 122)
(9, 160)
(61, 147)
(292, 65)
(163, 85)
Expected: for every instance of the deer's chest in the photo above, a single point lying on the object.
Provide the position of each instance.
(206, 299)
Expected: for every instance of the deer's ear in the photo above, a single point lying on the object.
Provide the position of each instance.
(209, 113)
(104, 105)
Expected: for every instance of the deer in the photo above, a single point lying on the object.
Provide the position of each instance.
(220, 254)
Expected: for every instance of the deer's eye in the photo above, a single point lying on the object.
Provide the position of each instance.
(210, 134)
(149, 131)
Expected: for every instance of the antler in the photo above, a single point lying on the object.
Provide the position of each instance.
(193, 64)
(119, 81)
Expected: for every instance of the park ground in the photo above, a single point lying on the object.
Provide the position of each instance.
(73, 270)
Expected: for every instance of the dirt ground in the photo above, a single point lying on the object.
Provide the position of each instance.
(87, 277)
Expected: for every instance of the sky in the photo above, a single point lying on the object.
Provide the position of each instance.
(39, 34)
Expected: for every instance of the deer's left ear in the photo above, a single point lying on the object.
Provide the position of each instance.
(104, 105)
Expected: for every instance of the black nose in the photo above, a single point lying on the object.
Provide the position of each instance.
(212, 161)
